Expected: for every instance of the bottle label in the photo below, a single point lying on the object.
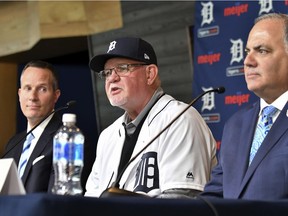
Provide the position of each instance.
(57, 151)
(68, 152)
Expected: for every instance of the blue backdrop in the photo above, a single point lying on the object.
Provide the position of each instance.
(219, 39)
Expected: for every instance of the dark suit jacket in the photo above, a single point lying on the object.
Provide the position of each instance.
(267, 176)
(40, 176)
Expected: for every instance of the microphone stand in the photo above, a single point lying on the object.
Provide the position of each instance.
(68, 104)
(115, 190)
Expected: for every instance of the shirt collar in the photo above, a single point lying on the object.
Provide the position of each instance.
(137, 120)
(279, 103)
(40, 128)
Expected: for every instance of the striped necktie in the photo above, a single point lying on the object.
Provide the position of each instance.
(262, 129)
(24, 156)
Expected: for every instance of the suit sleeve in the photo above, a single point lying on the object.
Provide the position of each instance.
(214, 188)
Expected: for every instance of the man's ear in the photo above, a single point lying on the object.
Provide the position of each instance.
(151, 73)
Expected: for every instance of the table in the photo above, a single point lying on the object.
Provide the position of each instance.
(58, 205)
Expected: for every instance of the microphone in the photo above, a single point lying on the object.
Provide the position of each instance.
(68, 105)
(115, 190)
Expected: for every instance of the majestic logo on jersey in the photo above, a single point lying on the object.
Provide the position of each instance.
(147, 174)
(190, 176)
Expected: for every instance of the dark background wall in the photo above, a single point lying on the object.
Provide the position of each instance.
(75, 84)
(165, 24)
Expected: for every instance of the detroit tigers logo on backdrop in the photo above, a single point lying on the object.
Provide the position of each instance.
(207, 12)
(236, 51)
(265, 6)
(147, 174)
(209, 104)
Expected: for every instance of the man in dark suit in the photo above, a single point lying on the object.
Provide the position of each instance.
(265, 177)
(38, 94)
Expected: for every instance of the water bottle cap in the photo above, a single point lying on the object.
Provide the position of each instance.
(69, 117)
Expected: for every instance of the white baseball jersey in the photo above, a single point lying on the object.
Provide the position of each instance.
(181, 157)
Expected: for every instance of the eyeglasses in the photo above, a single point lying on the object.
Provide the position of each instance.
(120, 70)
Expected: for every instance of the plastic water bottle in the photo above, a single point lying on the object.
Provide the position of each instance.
(68, 157)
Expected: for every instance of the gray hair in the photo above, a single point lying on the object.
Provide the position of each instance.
(280, 16)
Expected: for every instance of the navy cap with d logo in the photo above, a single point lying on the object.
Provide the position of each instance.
(128, 47)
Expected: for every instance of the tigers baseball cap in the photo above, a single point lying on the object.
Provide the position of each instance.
(128, 47)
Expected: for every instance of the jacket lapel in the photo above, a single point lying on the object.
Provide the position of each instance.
(279, 127)
(44, 140)
(246, 131)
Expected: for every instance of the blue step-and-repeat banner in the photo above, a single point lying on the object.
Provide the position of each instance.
(219, 39)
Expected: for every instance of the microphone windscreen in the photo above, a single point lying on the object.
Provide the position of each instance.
(71, 103)
(220, 89)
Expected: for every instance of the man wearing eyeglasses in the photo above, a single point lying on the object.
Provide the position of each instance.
(178, 162)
